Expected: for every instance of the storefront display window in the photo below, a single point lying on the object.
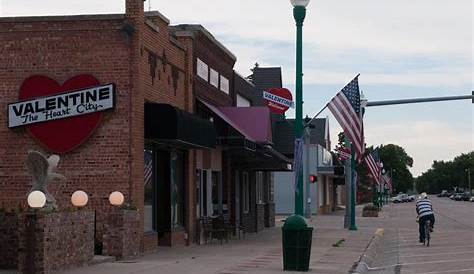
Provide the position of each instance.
(245, 192)
(177, 190)
(149, 191)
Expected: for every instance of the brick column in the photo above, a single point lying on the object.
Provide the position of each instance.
(122, 234)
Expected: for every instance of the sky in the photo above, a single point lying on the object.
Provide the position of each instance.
(402, 49)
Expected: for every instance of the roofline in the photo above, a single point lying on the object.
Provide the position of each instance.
(240, 75)
(187, 30)
(155, 13)
(80, 17)
(83, 17)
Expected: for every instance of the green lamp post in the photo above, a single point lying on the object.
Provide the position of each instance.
(299, 13)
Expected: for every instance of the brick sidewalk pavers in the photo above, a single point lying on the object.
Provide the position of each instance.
(258, 253)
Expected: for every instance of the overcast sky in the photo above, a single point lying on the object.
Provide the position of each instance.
(402, 48)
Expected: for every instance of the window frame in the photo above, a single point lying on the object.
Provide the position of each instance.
(200, 67)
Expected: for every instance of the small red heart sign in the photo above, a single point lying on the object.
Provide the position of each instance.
(278, 100)
(64, 135)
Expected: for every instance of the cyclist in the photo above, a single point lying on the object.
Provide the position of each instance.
(424, 209)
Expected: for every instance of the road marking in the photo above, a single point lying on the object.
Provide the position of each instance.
(436, 254)
(415, 245)
(449, 271)
(438, 262)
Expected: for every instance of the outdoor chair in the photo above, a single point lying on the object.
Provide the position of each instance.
(207, 228)
(219, 230)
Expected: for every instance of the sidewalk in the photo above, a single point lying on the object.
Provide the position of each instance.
(259, 253)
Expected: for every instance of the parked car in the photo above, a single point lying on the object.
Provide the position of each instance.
(443, 193)
(458, 197)
(405, 198)
(397, 199)
(465, 196)
(472, 199)
(452, 196)
(411, 198)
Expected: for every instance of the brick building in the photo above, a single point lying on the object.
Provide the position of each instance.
(149, 70)
(226, 184)
(172, 136)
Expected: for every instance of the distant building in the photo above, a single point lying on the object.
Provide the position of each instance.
(324, 195)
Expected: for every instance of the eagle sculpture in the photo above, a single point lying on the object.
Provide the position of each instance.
(42, 170)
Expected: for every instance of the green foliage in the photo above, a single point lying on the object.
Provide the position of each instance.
(447, 175)
(396, 163)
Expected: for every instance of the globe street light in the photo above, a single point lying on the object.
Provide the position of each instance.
(299, 13)
(36, 199)
(116, 198)
(79, 199)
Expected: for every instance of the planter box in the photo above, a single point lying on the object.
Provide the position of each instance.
(122, 234)
(8, 240)
(370, 213)
(50, 242)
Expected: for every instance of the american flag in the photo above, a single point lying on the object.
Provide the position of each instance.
(388, 181)
(344, 153)
(345, 106)
(373, 166)
(298, 161)
(148, 157)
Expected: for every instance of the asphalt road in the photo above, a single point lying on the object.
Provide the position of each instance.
(452, 242)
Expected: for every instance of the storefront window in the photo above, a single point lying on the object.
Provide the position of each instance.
(149, 192)
(245, 192)
(215, 192)
(259, 186)
(177, 190)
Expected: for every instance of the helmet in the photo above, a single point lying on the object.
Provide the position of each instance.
(424, 195)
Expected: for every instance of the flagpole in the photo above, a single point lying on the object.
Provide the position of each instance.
(353, 192)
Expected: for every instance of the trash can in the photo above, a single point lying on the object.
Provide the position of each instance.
(296, 239)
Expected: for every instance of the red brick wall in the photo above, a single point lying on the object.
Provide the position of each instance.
(8, 240)
(59, 241)
(216, 59)
(166, 78)
(122, 234)
(61, 49)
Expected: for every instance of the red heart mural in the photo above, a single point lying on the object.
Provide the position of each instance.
(276, 107)
(60, 136)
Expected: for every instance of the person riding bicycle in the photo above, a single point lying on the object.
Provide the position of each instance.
(424, 209)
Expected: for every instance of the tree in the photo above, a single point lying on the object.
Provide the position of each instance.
(447, 175)
(396, 163)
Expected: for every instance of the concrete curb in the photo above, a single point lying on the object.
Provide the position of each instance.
(369, 256)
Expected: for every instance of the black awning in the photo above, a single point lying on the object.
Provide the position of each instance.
(264, 158)
(167, 124)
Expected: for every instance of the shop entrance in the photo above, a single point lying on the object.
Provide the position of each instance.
(164, 192)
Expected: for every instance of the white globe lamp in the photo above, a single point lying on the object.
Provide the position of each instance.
(79, 198)
(299, 3)
(116, 198)
(36, 199)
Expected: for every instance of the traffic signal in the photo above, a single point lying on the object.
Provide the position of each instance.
(313, 178)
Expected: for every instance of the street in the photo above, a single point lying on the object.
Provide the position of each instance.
(452, 242)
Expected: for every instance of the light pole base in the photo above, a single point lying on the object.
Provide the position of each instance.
(353, 228)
